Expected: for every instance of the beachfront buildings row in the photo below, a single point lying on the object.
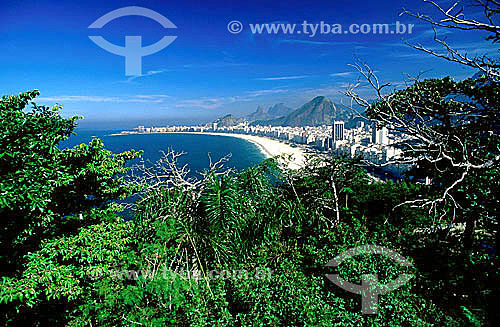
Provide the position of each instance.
(371, 143)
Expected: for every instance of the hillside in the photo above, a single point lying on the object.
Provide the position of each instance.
(318, 111)
(260, 114)
(275, 111)
(227, 121)
(279, 110)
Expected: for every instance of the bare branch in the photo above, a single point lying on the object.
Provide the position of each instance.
(454, 18)
(424, 143)
(166, 172)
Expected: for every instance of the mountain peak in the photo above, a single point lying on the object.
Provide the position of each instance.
(320, 98)
(318, 111)
(227, 121)
(276, 111)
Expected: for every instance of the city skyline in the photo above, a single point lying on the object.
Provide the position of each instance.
(376, 146)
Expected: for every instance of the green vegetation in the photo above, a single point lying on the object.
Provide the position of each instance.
(48, 193)
(250, 248)
(276, 228)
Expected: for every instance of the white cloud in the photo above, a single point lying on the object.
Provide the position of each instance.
(97, 98)
(259, 93)
(216, 102)
(149, 73)
(281, 78)
(343, 74)
(206, 103)
(152, 96)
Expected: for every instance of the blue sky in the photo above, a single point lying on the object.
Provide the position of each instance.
(207, 71)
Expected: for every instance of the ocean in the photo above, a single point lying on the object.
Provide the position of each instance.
(244, 154)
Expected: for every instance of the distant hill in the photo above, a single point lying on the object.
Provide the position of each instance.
(279, 110)
(227, 121)
(318, 111)
(276, 111)
(259, 114)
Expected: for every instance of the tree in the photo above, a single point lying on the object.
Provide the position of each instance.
(46, 191)
(452, 135)
(452, 128)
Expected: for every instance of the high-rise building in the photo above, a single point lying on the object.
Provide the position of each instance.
(338, 131)
(380, 135)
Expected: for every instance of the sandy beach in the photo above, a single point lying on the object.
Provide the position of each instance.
(269, 147)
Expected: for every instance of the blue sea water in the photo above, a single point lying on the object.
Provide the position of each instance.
(244, 154)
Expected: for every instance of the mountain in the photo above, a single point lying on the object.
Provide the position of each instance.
(227, 121)
(259, 114)
(279, 110)
(276, 111)
(318, 111)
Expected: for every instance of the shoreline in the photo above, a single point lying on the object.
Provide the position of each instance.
(267, 146)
